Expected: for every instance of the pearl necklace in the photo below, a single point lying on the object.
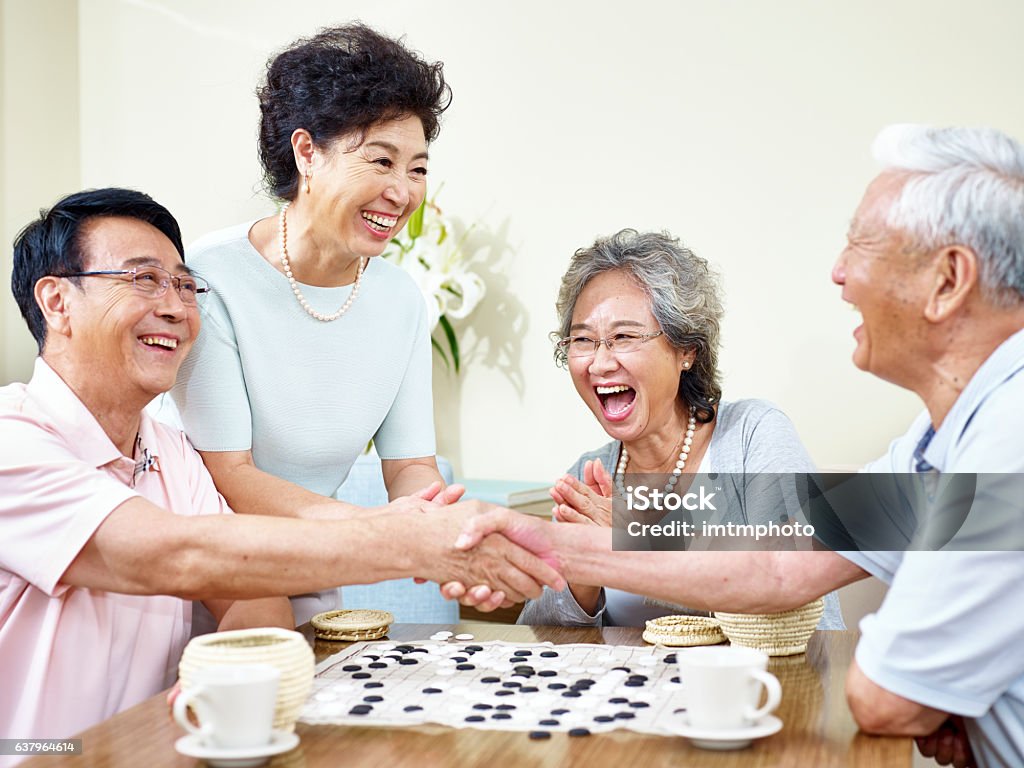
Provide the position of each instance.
(684, 454)
(283, 234)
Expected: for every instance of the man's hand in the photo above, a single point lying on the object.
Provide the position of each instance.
(493, 563)
(588, 502)
(948, 744)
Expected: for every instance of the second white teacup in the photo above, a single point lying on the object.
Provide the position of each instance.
(723, 685)
(234, 704)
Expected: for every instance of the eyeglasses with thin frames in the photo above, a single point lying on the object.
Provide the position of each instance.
(153, 282)
(619, 343)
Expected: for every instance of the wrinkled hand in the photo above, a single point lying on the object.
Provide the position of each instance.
(527, 532)
(502, 570)
(948, 744)
(588, 502)
(435, 494)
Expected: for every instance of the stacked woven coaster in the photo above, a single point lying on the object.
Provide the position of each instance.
(777, 634)
(682, 631)
(354, 624)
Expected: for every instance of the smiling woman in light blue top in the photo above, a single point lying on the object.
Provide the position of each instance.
(312, 346)
(639, 334)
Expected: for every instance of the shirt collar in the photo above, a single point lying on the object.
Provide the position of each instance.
(79, 426)
(1004, 362)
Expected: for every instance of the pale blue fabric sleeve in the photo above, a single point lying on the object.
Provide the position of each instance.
(408, 430)
(949, 632)
(210, 392)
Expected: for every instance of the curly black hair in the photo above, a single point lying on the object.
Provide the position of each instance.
(343, 80)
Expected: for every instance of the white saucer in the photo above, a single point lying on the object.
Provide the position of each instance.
(738, 738)
(280, 741)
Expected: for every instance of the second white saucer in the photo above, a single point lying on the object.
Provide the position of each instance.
(738, 738)
(280, 741)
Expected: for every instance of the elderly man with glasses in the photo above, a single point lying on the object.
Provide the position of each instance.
(109, 521)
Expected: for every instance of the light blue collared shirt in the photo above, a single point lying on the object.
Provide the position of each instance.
(950, 634)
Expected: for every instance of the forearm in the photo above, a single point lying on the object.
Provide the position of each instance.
(140, 549)
(587, 597)
(261, 612)
(882, 712)
(251, 491)
(742, 582)
(409, 476)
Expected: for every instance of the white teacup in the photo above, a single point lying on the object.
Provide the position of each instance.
(234, 704)
(723, 684)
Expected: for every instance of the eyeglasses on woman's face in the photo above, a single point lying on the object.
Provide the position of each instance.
(617, 343)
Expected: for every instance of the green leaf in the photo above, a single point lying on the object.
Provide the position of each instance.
(453, 342)
(416, 220)
(440, 350)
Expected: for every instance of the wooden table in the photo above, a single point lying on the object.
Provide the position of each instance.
(818, 732)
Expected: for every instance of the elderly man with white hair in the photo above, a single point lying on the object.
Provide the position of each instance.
(935, 265)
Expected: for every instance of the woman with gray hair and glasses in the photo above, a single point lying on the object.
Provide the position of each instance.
(639, 331)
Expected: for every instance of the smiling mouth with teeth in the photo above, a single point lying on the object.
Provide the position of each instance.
(159, 341)
(616, 399)
(380, 223)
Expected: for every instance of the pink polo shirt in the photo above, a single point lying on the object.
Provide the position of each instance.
(70, 657)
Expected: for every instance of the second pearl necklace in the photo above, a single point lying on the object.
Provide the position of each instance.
(283, 234)
(684, 454)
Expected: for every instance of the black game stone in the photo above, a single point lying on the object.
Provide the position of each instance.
(360, 709)
(474, 648)
(549, 721)
(540, 735)
(407, 660)
(529, 689)
(431, 690)
(482, 706)
(556, 686)
(490, 679)
(377, 665)
(603, 718)
(412, 708)
(361, 675)
(617, 700)
(511, 684)
(625, 715)
(547, 673)
(549, 654)
(475, 718)
(373, 699)
(373, 684)
(505, 707)
(572, 694)
(351, 668)
(559, 711)
(504, 692)
(464, 667)
(501, 716)
(578, 732)
(639, 704)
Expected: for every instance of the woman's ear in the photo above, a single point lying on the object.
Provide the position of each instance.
(686, 358)
(303, 150)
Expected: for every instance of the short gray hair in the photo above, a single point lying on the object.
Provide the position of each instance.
(967, 188)
(685, 299)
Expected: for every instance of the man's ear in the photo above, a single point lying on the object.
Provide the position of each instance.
(955, 277)
(51, 294)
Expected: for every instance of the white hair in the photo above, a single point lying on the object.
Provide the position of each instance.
(966, 188)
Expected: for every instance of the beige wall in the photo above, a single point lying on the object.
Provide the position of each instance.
(39, 136)
(742, 127)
